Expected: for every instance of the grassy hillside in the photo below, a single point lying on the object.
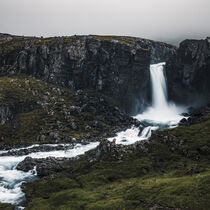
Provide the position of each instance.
(40, 112)
(174, 173)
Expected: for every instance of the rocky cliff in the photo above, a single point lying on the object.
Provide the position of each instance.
(116, 66)
(188, 72)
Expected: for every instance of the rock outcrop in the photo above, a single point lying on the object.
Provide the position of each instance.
(44, 167)
(115, 66)
(7, 113)
(188, 73)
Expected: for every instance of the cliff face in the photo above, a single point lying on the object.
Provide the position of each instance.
(115, 66)
(189, 71)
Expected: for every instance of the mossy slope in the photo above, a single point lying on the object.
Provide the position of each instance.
(44, 113)
(174, 173)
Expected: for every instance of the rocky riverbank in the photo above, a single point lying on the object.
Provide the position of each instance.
(129, 176)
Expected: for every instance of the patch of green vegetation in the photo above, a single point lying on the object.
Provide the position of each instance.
(165, 176)
(190, 140)
(120, 39)
(67, 40)
(16, 44)
(107, 189)
(46, 41)
(6, 206)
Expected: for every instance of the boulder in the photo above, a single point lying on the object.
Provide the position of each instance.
(44, 167)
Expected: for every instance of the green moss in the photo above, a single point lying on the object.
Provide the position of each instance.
(191, 192)
(67, 40)
(6, 206)
(120, 39)
(46, 41)
(16, 44)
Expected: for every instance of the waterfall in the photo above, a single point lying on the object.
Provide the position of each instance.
(158, 83)
(160, 115)
(161, 111)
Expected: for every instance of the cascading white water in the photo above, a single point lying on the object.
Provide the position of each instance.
(161, 114)
(11, 179)
(161, 111)
(158, 83)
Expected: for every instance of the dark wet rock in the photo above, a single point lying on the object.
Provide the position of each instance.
(7, 113)
(188, 73)
(183, 121)
(141, 128)
(26, 165)
(44, 167)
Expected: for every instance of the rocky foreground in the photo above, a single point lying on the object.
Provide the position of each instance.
(168, 171)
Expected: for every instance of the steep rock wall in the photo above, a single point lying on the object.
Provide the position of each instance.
(188, 73)
(115, 66)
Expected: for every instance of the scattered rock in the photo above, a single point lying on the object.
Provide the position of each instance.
(44, 167)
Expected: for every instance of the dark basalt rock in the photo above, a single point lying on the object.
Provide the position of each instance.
(115, 66)
(44, 167)
(194, 115)
(7, 113)
(188, 73)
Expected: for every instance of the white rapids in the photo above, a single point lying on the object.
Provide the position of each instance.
(11, 179)
(161, 114)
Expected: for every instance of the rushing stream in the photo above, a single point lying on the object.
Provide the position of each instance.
(160, 115)
(11, 179)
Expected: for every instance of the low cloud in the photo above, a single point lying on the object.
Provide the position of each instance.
(165, 20)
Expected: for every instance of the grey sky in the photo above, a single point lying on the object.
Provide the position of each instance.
(167, 20)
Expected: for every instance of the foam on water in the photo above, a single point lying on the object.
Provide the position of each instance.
(132, 135)
(11, 179)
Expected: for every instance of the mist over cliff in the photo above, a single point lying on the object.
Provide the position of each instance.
(155, 19)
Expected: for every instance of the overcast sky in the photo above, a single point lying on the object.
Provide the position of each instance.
(168, 20)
